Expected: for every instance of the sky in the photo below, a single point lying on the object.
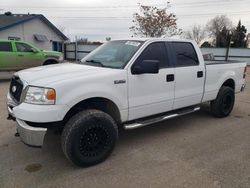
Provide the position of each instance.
(98, 19)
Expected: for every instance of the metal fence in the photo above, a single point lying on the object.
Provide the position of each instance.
(239, 54)
(77, 52)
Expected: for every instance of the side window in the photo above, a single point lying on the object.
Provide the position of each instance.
(185, 54)
(155, 51)
(22, 47)
(5, 47)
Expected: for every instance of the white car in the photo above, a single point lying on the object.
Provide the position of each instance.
(123, 83)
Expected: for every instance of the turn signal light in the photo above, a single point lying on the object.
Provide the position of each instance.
(51, 94)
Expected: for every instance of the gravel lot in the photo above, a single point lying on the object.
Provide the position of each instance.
(196, 150)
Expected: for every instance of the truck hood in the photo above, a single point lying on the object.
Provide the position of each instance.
(44, 75)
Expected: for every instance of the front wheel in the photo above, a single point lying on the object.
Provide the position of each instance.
(50, 62)
(223, 105)
(89, 137)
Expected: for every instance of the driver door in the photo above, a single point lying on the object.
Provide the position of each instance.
(27, 57)
(151, 94)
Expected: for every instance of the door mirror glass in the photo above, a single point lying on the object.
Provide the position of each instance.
(34, 50)
(146, 67)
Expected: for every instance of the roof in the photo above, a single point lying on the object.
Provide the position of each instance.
(143, 39)
(8, 21)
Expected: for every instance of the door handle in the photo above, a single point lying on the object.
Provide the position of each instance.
(170, 78)
(20, 55)
(199, 74)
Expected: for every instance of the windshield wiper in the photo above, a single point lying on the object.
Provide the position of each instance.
(94, 61)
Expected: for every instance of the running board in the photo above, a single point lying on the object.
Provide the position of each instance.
(144, 122)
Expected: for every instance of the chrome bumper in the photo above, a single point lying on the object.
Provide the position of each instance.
(10, 105)
(32, 136)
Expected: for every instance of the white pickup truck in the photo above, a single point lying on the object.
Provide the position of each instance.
(123, 83)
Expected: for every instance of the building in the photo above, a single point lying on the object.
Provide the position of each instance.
(32, 28)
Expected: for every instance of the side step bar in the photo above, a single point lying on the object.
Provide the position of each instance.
(144, 122)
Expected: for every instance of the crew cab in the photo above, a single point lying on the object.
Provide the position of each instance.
(18, 55)
(122, 84)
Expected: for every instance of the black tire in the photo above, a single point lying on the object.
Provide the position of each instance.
(223, 105)
(89, 137)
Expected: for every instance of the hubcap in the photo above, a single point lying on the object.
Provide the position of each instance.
(227, 103)
(93, 141)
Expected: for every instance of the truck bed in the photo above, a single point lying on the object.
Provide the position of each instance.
(216, 62)
(218, 73)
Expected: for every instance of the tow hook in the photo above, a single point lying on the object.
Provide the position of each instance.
(17, 134)
(10, 117)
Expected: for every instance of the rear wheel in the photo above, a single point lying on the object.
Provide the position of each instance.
(89, 137)
(223, 105)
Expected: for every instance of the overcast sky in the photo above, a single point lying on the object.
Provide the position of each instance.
(97, 19)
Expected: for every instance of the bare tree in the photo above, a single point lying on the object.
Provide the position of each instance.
(197, 33)
(216, 25)
(154, 22)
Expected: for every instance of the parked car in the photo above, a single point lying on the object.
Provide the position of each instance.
(141, 82)
(17, 55)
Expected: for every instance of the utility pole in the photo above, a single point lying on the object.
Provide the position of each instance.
(229, 45)
(76, 48)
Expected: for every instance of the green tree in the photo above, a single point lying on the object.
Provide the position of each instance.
(223, 38)
(239, 36)
(154, 22)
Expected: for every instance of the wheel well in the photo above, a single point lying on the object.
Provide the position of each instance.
(229, 83)
(97, 103)
(50, 62)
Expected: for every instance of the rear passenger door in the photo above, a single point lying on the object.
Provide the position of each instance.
(151, 94)
(7, 56)
(189, 75)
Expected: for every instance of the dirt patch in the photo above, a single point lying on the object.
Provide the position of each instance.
(238, 116)
(33, 167)
(5, 145)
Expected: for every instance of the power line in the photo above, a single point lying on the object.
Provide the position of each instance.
(179, 15)
(130, 6)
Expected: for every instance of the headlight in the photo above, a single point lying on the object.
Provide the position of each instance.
(39, 95)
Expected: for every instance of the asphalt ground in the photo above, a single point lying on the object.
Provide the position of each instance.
(196, 150)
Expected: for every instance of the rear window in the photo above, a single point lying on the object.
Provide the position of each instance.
(5, 47)
(185, 54)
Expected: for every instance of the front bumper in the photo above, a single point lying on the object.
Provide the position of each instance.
(10, 105)
(32, 136)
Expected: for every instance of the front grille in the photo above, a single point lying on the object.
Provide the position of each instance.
(16, 87)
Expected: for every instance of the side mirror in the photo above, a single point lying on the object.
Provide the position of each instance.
(34, 50)
(146, 67)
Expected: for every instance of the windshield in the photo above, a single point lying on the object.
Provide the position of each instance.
(114, 54)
